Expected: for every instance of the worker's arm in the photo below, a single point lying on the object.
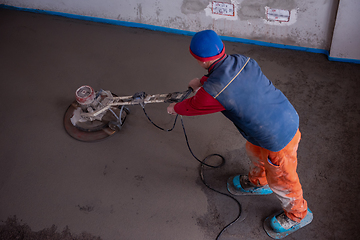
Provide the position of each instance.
(200, 104)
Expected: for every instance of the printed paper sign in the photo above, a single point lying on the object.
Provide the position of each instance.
(221, 8)
(278, 15)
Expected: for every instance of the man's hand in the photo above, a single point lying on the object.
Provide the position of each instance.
(170, 109)
(195, 84)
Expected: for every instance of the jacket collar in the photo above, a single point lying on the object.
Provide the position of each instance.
(210, 69)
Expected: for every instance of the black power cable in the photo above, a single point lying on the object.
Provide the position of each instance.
(203, 164)
(187, 93)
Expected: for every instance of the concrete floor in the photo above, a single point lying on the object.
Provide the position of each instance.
(143, 183)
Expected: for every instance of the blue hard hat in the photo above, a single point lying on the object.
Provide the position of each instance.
(206, 46)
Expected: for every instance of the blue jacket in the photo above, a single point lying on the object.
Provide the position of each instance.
(262, 113)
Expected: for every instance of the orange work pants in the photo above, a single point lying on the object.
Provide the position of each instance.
(278, 169)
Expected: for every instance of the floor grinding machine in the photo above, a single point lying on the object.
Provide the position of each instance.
(97, 115)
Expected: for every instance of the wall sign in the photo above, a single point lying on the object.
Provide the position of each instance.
(226, 9)
(278, 15)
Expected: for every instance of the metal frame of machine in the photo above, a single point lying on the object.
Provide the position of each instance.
(98, 115)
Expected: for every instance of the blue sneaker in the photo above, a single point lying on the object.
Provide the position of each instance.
(241, 185)
(279, 225)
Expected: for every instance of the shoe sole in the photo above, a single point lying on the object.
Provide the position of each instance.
(307, 220)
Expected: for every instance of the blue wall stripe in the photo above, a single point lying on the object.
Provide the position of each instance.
(180, 32)
(347, 60)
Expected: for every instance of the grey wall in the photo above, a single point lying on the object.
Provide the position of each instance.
(311, 22)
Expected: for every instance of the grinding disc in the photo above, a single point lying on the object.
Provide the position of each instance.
(90, 131)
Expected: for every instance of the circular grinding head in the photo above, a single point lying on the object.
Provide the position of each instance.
(96, 130)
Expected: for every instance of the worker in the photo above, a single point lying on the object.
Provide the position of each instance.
(236, 86)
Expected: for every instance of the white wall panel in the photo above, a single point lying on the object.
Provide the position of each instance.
(346, 39)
